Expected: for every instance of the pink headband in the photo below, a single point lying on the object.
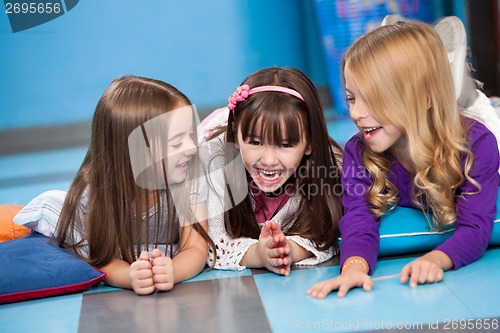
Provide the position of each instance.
(244, 91)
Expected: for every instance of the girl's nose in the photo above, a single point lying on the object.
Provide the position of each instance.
(269, 156)
(190, 147)
(357, 112)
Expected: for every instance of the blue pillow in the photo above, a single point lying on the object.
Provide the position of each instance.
(406, 230)
(31, 267)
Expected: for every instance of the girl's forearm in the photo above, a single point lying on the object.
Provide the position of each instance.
(439, 258)
(117, 273)
(298, 252)
(251, 258)
(188, 263)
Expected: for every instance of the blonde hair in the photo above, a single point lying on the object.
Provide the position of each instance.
(403, 74)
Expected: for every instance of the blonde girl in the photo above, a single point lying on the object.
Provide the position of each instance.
(414, 150)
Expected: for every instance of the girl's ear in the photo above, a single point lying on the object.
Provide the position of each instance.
(308, 150)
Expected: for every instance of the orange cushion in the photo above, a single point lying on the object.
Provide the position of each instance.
(8, 229)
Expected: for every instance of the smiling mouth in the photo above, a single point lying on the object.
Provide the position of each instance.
(369, 131)
(269, 175)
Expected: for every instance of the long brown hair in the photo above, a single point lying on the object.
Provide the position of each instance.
(106, 173)
(270, 114)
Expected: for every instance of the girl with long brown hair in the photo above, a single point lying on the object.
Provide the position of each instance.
(126, 210)
(282, 206)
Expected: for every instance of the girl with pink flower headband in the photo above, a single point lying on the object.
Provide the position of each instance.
(275, 128)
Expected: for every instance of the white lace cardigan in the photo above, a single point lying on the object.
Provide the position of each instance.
(230, 250)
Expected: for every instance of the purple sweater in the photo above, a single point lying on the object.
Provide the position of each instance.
(475, 212)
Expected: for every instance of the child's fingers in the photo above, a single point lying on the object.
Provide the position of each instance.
(144, 290)
(277, 252)
(164, 281)
(283, 270)
(275, 262)
(367, 283)
(435, 274)
(163, 273)
(278, 266)
(321, 289)
(141, 277)
(405, 274)
(277, 258)
(275, 269)
(343, 289)
(415, 276)
(287, 270)
(156, 253)
(439, 276)
(162, 264)
(164, 286)
(274, 228)
(342, 283)
(270, 243)
(140, 264)
(140, 269)
(144, 255)
(280, 240)
(265, 231)
(419, 272)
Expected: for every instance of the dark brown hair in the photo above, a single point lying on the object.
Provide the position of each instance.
(271, 114)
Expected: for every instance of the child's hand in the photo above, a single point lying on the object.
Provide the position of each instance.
(269, 251)
(282, 247)
(141, 275)
(350, 278)
(422, 270)
(163, 271)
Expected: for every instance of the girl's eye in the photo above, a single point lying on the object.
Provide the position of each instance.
(350, 100)
(177, 145)
(286, 145)
(254, 142)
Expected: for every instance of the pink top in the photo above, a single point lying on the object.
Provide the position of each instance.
(266, 206)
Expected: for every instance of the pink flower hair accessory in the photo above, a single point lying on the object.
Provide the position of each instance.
(239, 95)
(242, 93)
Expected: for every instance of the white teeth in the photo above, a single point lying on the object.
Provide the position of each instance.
(367, 130)
(270, 175)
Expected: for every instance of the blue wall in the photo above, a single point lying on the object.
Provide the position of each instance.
(55, 73)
